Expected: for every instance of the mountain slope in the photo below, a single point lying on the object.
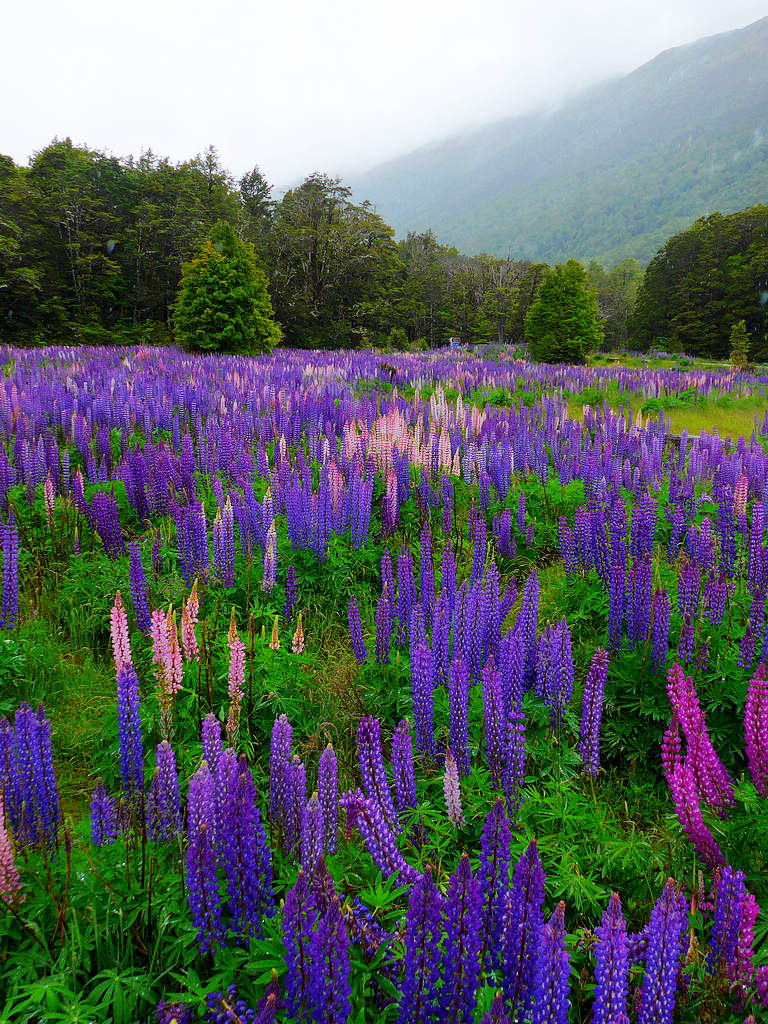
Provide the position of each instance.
(612, 173)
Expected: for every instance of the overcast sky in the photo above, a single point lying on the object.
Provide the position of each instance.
(298, 86)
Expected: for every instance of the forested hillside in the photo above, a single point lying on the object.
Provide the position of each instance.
(611, 174)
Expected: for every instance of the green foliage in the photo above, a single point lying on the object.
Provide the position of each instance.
(704, 280)
(739, 345)
(223, 303)
(563, 325)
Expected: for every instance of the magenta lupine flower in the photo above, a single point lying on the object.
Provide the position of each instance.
(372, 770)
(139, 588)
(452, 791)
(356, 631)
(756, 730)
(299, 917)
(552, 972)
(312, 838)
(421, 966)
(211, 739)
(496, 1014)
(129, 724)
(10, 882)
(685, 793)
(279, 789)
(121, 644)
(592, 711)
(329, 988)
(461, 964)
(524, 922)
(666, 946)
(365, 815)
(494, 882)
(403, 773)
(741, 970)
(611, 965)
(422, 682)
(163, 806)
(104, 828)
(201, 877)
(726, 922)
(244, 856)
(328, 793)
(495, 721)
(458, 704)
(513, 770)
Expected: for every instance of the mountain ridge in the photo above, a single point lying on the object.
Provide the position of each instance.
(612, 172)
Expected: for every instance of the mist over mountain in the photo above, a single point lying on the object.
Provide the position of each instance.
(612, 173)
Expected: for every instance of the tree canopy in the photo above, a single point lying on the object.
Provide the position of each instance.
(563, 323)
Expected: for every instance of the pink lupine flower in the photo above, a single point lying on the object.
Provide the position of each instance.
(10, 883)
(236, 680)
(175, 667)
(121, 644)
(274, 643)
(298, 637)
(452, 790)
(189, 612)
(740, 495)
(50, 501)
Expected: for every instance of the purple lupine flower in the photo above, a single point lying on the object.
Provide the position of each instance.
(157, 557)
(201, 876)
(417, 633)
(174, 1013)
(552, 972)
(328, 792)
(525, 626)
(660, 629)
(388, 583)
(421, 966)
(458, 704)
(422, 680)
(297, 801)
(290, 593)
(299, 917)
(427, 576)
(494, 882)
(245, 856)
(495, 721)
(372, 770)
(402, 769)
(211, 737)
(312, 837)
(666, 946)
(279, 765)
(731, 894)
(687, 641)
(139, 588)
(28, 779)
(611, 965)
(441, 637)
(496, 1014)
(521, 512)
(131, 756)
(524, 923)
(592, 711)
(617, 602)
(365, 814)
(513, 769)
(9, 541)
(104, 828)
(356, 631)
(512, 668)
(461, 964)
(406, 592)
(329, 988)
(383, 628)
(163, 807)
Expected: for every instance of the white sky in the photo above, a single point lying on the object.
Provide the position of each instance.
(331, 85)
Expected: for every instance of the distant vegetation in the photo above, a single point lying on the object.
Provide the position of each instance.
(93, 249)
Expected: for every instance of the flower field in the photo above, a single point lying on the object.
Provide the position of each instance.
(407, 688)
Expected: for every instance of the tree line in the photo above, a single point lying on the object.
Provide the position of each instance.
(92, 249)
